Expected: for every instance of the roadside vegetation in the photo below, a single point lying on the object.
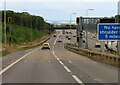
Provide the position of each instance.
(23, 30)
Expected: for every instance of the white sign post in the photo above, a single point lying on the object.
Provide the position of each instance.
(118, 43)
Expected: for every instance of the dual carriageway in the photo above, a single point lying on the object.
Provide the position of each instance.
(59, 65)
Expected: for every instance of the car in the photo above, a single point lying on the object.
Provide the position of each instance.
(83, 41)
(59, 40)
(74, 36)
(46, 46)
(70, 32)
(66, 32)
(54, 35)
(98, 45)
(69, 38)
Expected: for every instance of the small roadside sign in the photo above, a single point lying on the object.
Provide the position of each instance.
(108, 31)
(10, 20)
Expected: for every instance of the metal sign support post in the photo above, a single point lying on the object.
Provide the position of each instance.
(80, 32)
(10, 37)
(118, 42)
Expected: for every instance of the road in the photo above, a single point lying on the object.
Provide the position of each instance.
(59, 65)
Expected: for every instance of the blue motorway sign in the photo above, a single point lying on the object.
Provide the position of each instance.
(108, 31)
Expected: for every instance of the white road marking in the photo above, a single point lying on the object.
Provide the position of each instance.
(68, 70)
(53, 52)
(70, 61)
(94, 62)
(97, 80)
(9, 66)
(55, 56)
(2, 71)
(25, 61)
(77, 79)
(61, 63)
(58, 59)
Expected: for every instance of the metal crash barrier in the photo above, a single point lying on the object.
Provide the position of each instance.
(98, 56)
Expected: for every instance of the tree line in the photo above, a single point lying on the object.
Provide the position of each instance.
(27, 20)
(24, 27)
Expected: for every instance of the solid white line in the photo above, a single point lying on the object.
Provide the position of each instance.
(68, 70)
(77, 79)
(61, 62)
(5, 69)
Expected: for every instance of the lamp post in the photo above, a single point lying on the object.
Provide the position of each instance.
(51, 22)
(86, 27)
(70, 23)
(5, 22)
(21, 15)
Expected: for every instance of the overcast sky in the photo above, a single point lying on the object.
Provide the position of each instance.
(60, 10)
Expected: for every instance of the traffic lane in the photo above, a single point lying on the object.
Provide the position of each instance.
(51, 40)
(92, 71)
(10, 58)
(91, 43)
(39, 67)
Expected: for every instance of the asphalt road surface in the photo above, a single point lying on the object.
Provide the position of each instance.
(59, 65)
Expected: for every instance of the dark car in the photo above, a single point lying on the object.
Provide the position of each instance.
(59, 40)
(98, 45)
(69, 38)
(70, 32)
(54, 35)
(74, 36)
(66, 32)
(83, 41)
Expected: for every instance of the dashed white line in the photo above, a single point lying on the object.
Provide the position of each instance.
(61, 63)
(67, 69)
(53, 52)
(77, 79)
(58, 59)
(70, 61)
(94, 62)
(55, 56)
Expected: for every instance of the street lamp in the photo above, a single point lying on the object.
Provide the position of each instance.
(5, 22)
(70, 23)
(51, 22)
(21, 15)
(86, 27)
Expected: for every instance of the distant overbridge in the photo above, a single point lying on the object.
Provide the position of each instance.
(63, 28)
